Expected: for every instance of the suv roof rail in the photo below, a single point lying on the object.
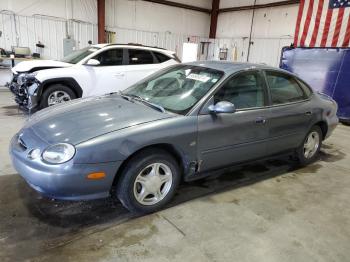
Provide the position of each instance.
(136, 44)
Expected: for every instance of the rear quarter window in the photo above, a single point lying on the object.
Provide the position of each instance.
(161, 57)
(307, 90)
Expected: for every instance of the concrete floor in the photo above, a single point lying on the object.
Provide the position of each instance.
(265, 211)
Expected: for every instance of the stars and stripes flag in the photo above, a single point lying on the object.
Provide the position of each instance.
(323, 23)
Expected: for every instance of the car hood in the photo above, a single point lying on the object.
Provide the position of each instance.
(26, 66)
(83, 119)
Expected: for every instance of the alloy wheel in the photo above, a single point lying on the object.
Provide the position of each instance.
(153, 183)
(311, 144)
(58, 97)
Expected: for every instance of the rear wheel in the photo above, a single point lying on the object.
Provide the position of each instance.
(345, 121)
(148, 181)
(56, 94)
(308, 151)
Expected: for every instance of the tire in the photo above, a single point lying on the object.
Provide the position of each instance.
(314, 147)
(64, 93)
(130, 191)
(345, 121)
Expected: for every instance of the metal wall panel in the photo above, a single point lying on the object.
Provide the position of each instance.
(26, 31)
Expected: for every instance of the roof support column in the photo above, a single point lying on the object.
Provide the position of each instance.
(101, 21)
(214, 18)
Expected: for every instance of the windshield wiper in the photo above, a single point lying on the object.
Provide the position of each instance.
(144, 101)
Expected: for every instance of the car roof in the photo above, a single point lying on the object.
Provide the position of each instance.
(232, 67)
(137, 46)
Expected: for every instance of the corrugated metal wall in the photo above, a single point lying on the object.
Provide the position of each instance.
(26, 31)
(263, 50)
(166, 40)
(155, 25)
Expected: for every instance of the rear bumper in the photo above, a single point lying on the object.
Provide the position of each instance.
(66, 181)
(332, 124)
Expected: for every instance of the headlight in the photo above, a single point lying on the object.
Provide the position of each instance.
(24, 77)
(58, 153)
(20, 79)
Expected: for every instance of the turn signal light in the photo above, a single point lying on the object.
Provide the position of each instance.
(95, 176)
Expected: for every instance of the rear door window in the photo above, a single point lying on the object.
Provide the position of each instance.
(140, 57)
(111, 57)
(284, 88)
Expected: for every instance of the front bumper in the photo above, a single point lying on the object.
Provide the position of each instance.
(25, 94)
(65, 181)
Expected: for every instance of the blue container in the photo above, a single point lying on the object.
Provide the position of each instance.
(326, 70)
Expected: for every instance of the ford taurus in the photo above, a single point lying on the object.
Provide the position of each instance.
(178, 124)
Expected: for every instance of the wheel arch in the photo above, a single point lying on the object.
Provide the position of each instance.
(169, 148)
(68, 81)
(324, 128)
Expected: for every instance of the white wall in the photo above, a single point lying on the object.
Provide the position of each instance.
(149, 23)
(236, 3)
(25, 22)
(273, 28)
(147, 16)
(84, 10)
(155, 24)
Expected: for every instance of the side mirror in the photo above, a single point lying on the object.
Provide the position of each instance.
(222, 107)
(93, 62)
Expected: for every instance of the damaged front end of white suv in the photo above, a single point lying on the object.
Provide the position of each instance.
(25, 86)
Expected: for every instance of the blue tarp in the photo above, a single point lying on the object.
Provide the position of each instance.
(326, 70)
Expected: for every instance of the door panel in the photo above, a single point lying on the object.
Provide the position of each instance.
(141, 63)
(228, 138)
(110, 75)
(290, 114)
(224, 139)
(288, 125)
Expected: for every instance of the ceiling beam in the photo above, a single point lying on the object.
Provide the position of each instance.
(180, 5)
(251, 7)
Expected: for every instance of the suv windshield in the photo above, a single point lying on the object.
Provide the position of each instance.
(176, 89)
(78, 55)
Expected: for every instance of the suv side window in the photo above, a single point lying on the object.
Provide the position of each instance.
(245, 90)
(161, 57)
(140, 57)
(284, 88)
(111, 57)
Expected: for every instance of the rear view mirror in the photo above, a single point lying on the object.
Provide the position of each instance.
(93, 62)
(222, 107)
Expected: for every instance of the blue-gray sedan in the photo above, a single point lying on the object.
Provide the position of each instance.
(178, 124)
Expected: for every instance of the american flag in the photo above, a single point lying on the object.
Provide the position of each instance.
(323, 23)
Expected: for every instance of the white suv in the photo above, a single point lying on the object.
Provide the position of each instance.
(94, 70)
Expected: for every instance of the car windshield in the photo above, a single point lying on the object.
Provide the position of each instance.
(176, 89)
(78, 55)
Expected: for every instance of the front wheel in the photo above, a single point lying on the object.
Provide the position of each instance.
(148, 181)
(56, 94)
(308, 151)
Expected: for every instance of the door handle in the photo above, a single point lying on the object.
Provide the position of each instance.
(308, 113)
(260, 120)
(119, 74)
